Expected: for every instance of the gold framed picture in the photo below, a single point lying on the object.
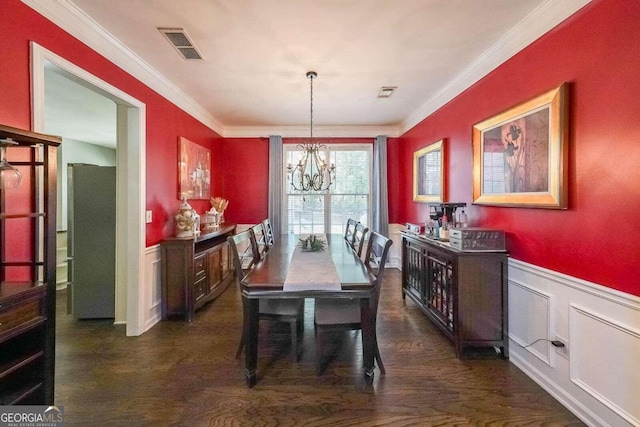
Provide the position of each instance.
(428, 173)
(194, 170)
(520, 155)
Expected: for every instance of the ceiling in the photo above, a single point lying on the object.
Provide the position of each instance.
(256, 54)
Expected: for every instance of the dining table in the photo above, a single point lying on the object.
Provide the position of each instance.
(271, 278)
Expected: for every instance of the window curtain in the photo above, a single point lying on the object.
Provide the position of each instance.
(380, 195)
(275, 184)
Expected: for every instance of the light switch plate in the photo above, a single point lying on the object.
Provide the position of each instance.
(149, 217)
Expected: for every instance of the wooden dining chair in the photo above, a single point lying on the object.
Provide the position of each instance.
(260, 238)
(286, 310)
(344, 314)
(349, 231)
(359, 236)
(268, 232)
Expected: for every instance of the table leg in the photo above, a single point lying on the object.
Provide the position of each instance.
(368, 339)
(251, 313)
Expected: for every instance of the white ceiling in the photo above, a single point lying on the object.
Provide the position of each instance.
(252, 81)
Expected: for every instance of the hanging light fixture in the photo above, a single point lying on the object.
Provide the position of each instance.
(311, 173)
(9, 176)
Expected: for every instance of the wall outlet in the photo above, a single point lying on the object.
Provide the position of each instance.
(149, 217)
(563, 351)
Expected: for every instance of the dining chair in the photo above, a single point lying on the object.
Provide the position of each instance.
(348, 232)
(260, 237)
(286, 310)
(268, 232)
(359, 236)
(344, 314)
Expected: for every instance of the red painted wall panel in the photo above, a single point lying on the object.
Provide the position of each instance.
(596, 51)
(245, 180)
(164, 121)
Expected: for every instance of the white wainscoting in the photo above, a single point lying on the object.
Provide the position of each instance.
(599, 379)
(152, 293)
(395, 251)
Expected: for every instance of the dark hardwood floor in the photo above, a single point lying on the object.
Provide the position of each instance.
(185, 374)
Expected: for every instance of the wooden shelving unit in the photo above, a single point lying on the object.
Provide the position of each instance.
(27, 271)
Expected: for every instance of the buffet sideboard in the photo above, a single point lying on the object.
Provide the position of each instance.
(463, 293)
(195, 270)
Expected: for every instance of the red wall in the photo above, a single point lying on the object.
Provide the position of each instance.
(596, 239)
(245, 180)
(165, 122)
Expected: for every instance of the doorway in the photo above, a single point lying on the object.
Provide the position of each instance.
(87, 160)
(130, 182)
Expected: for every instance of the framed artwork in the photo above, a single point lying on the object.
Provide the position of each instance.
(194, 170)
(428, 173)
(520, 155)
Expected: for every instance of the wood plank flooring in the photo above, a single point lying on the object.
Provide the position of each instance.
(186, 374)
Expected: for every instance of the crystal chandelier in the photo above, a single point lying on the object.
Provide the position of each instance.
(311, 173)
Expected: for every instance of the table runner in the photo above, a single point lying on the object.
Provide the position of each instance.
(312, 271)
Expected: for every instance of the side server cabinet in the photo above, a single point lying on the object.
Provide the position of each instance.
(195, 271)
(463, 293)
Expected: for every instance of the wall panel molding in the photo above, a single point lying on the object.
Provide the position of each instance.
(526, 330)
(152, 287)
(596, 342)
(598, 381)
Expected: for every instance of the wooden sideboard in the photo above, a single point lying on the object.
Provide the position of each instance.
(195, 271)
(463, 293)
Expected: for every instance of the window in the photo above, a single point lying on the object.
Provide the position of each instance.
(349, 196)
(494, 172)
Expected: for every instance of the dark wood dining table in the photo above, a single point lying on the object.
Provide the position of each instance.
(266, 280)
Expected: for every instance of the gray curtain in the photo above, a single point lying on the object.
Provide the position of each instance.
(380, 195)
(275, 185)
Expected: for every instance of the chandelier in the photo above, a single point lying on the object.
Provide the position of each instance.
(311, 173)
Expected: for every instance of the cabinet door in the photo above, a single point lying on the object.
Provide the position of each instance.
(214, 268)
(225, 260)
(440, 285)
(413, 271)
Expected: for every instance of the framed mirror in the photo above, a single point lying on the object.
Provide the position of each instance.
(428, 173)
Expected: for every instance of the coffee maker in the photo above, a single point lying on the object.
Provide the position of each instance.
(437, 213)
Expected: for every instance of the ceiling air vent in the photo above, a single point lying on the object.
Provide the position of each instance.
(179, 39)
(386, 91)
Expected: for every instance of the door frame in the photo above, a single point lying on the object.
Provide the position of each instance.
(130, 180)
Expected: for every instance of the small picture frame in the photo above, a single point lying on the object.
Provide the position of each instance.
(194, 170)
(520, 155)
(428, 173)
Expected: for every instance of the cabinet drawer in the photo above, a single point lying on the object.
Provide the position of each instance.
(200, 266)
(13, 316)
(200, 288)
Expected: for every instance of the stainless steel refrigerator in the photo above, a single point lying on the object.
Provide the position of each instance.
(91, 244)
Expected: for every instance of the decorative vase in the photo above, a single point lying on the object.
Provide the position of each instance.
(186, 220)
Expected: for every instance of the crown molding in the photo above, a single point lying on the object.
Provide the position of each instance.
(70, 18)
(318, 131)
(73, 20)
(533, 26)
